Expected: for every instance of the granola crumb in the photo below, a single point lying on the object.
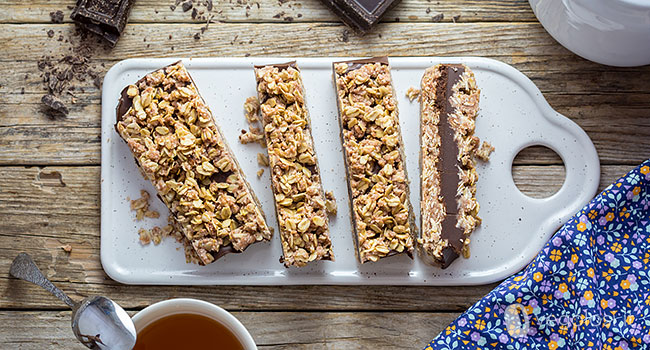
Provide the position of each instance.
(145, 236)
(251, 108)
(157, 235)
(250, 137)
(330, 203)
(260, 172)
(412, 93)
(67, 248)
(141, 207)
(254, 133)
(484, 152)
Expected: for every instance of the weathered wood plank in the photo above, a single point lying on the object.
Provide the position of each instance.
(271, 330)
(148, 11)
(45, 215)
(30, 42)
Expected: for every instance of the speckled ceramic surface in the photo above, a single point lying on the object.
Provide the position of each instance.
(515, 227)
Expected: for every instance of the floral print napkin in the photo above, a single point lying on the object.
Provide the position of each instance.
(589, 288)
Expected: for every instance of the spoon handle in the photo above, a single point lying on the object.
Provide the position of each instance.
(24, 268)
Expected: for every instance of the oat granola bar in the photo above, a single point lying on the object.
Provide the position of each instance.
(179, 148)
(295, 177)
(449, 101)
(382, 217)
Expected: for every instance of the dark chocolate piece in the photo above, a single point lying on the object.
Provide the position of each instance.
(361, 15)
(55, 105)
(106, 18)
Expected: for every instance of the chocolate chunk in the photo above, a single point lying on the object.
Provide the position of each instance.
(187, 6)
(107, 18)
(55, 105)
(361, 15)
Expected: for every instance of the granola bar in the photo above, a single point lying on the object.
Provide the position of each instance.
(382, 216)
(449, 209)
(179, 148)
(295, 176)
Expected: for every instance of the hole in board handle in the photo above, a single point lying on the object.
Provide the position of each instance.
(538, 171)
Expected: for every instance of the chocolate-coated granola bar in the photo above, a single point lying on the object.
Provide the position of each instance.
(179, 148)
(449, 101)
(299, 198)
(382, 216)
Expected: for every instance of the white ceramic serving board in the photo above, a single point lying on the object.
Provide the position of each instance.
(515, 227)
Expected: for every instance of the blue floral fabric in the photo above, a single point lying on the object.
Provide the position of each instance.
(587, 289)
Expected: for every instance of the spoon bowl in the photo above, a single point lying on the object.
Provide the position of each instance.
(98, 322)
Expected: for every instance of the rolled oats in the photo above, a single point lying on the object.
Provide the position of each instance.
(179, 148)
(412, 93)
(295, 176)
(377, 181)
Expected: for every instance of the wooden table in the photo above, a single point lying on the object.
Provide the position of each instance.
(49, 168)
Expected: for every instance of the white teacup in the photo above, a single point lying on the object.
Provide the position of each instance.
(161, 309)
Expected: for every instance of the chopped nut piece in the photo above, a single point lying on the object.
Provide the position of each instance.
(449, 107)
(260, 172)
(483, 153)
(372, 142)
(179, 148)
(412, 93)
(67, 248)
(295, 176)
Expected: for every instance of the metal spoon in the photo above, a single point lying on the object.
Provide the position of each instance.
(98, 322)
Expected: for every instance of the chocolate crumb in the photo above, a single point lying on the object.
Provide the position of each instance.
(22, 91)
(195, 13)
(55, 105)
(187, 6)
(56, 17)
(437, 18)
(172, 7)
(428, 10)
(455, 18)
(197, 36)
(50, 33)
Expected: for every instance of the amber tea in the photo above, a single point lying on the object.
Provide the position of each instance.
(186, 331)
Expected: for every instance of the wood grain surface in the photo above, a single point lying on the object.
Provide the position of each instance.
(49, 167)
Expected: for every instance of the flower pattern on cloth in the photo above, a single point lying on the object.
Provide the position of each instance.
(589, 287)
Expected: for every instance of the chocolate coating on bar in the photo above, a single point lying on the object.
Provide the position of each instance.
(448, 167)
(356, 64)
(106, 18)
(361, 15)
(280, 66)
